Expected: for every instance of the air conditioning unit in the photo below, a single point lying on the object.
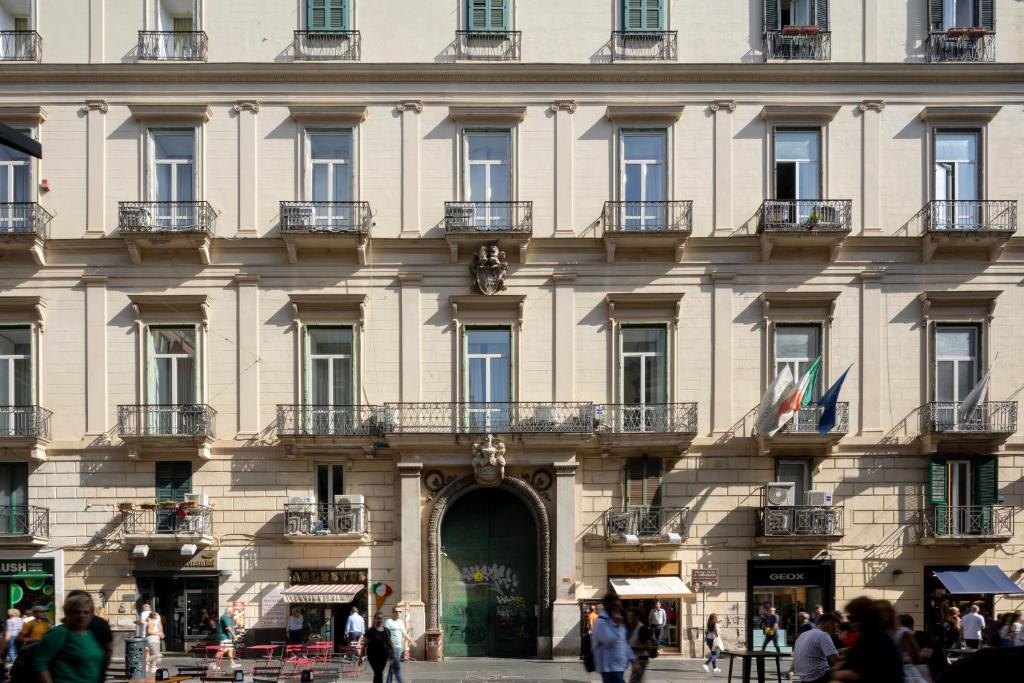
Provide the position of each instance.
(385, 419)
(302, 500)
(544, 413)
(143, 218)
(780, 494)
(200, 499)
(821, 499)
(349, 514)
(299, 216)
(461, 216)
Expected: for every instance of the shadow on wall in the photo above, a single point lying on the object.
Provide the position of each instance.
(755, 36)
(917, 31)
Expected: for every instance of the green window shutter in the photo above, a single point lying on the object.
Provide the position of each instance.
(643, 482)
(643, 15)
(937, 483)
(820, 14)
(173, 480)
(499, 15)
(487, 15)
(986, 480)
(327, 15)
(987, 15)
(935, 22)
(771, 15)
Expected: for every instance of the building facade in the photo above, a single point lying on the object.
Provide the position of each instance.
(470, 306)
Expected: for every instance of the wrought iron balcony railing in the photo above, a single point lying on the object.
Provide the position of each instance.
(645, 523)
(327, 421)
(967, 216)
(806, 420)
(488, 46)
(483, 217)
(799, 520)
(482, 418)
(652, 418)
(20, 46)
(631, 217)
(807, 215)
(146, 217)
(652, 46)
(326, 519)
(337, 217)
(338, 45)
(806, 44)
(194, 520)
(966, 521)
(993, 417)
(962, 45)
(185, 420)
(24, 218)
(24, 422)
(24, 520)
(172, 46)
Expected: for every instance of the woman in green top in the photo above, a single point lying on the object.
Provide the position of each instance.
(70, 653)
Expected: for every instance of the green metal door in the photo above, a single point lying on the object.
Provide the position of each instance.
(489, 577)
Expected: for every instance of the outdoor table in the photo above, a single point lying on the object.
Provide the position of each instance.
(759, 656)
(270, 650)
(319, 650)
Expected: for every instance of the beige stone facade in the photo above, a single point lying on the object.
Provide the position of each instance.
(876, 274)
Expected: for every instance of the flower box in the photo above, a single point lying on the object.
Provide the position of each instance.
(794, 30)
(148, 506)
(125, 507)
(966, 32)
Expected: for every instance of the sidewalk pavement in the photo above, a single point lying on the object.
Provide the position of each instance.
(661, 670)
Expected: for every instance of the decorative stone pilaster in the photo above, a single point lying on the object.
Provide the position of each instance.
(411, 562)
(565, 614)
(410, 111)
(722, 110)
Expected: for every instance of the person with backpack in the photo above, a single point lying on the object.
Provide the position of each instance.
(70, 653)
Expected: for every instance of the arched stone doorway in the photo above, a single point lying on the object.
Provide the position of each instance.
(491, 595)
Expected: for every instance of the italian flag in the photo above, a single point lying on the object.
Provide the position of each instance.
(799, 397)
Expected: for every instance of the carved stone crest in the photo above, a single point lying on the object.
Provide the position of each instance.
(489, 461)
(489, 268)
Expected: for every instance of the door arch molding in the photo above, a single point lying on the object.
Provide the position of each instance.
(451, 493)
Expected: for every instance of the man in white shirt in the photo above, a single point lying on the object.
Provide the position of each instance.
(972, 625)
(140, 624)
(355, 627)
(814, 653)
(656, 620)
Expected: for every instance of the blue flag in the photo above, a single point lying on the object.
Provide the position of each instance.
(828, 402)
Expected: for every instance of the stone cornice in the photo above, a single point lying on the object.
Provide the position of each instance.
(327, 113)
(666, 114)
(800, 113)
(238, 72)
(509, 115)
(171, 112)
(24, 114)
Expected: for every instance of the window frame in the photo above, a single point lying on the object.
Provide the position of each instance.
(466, 171)
(819, 131)
(307, 155)
(151, 356)
(627, 479)
(32, 361)
(153, 21)
(621, 365)
(331, 467)
(808, 466)
(30, 163)
(466, 330)
(626, 132)
(347, 20)
(980, 137)
(510, 18)
(979, 346)
(663, 20)
(150, 192)
(821, 327)
(308, 358)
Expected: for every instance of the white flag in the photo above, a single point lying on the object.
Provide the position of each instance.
(777, 389)
(970, 403)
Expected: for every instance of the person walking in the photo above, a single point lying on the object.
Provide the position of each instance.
(591, 618)
(873, 656)
(972, 626)
(814, 653)
(154, 642)
(377, 647)
(610, 647)
(296, 627)
(803, 623)
(395, 627)
(713, 639)
(35, 628)
(958, 631)
(13, 626)
(1009, 630)
(657, 619)
(770, 630)
(142, 619)
(929, 649)
(355, 626)
(70, 653)
(819, 610)
(640, 642)
(226, 639)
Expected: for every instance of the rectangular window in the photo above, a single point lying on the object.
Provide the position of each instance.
(959, 14)
(173, 481)
(957, 178)
(330, 482)
(643, 15)
(327, 15)
(643, 378)
(13, 497)
(797, 472)
(172, 180)
(643, 483)
(644, 178)
(330, 177)
(797, 165)
(962, 492)
(15, 186)
(329, 366)
(956, 361)
(488, 376)
(488, 15)
(797, 346)
(487, 178)
(173, 370)
(16, 386)
(796, 13)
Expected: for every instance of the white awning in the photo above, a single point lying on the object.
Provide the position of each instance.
(328, 593)
(651, 587)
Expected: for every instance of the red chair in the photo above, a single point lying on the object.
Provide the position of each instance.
(294, 656)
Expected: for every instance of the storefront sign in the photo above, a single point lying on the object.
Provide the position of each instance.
(29, 582)
(274, 611)
(673, 568)
(703, 578)
(795, 574)
(172, 561)
(299, 577)
(37, 567)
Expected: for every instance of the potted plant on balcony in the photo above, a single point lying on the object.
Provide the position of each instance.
(966, 32)
(169, 504)
(798, 30)
(125, 506)
(148, 506)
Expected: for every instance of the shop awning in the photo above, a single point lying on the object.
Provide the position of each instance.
(984, 579)
(327, 593)
(650, 587)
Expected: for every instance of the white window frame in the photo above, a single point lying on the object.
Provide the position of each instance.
(949, 8)
(153, 355)
(334, 214)
(793, 7)
(819, 133)
(310, 357)
(793, 362)
(29, 163)
(11, 358)
(152, 16)
(643, 354)
(624, 135)
(956, 360)
(507, 133)
(151, 166)
(488, 361)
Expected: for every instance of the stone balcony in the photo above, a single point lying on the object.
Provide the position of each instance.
(338, 523)
(801, 434)
(300, 427)
(821, 224)
(469, 225)
(24, 526)
(671, 425)
(647, 226)
(23, 229)
(647, 526)
(983, 430)
(954, 227)
(166, 526)
(25, 430)
(166, 226)
(809, 525)
(183, 427)
(326, 226)
(967, 525)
